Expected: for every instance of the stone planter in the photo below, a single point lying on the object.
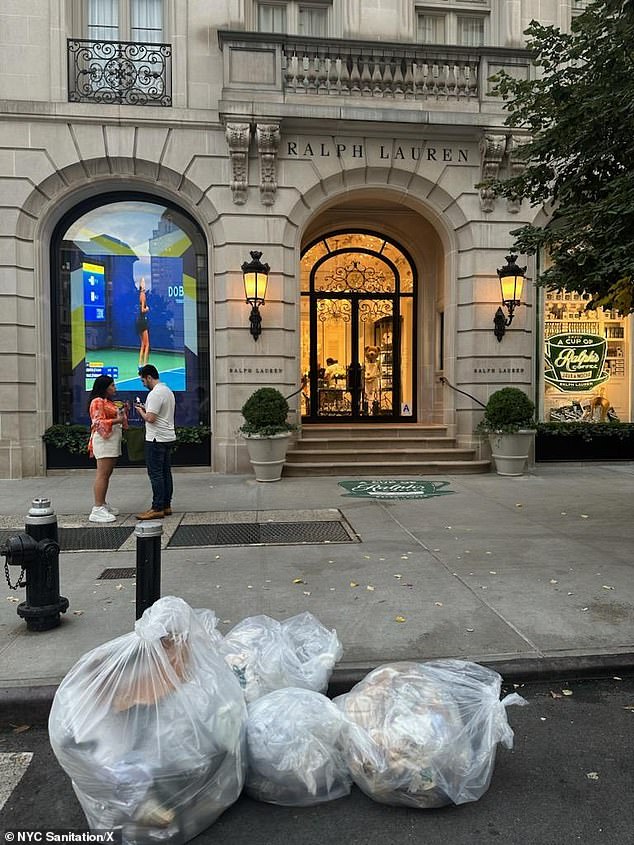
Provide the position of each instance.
(267, 454)
(510, 451)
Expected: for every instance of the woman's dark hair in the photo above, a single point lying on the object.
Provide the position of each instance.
(99, 388)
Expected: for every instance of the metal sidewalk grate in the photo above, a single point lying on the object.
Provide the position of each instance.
(117, 574)
(82, 539)
(260, 533)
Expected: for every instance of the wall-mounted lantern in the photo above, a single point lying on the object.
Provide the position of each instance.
(511, 282)
(255, 277)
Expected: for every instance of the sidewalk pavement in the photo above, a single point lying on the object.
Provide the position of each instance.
(530, 575)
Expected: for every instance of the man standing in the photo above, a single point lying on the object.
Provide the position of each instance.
(158, 415)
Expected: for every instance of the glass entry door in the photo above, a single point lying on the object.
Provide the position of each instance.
(353, 368)
(358, 343)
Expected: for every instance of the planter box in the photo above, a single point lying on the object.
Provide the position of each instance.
(193, 454)
(555, 446)
(189, 454)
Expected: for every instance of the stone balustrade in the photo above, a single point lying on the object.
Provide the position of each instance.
(335, 69)
(285, 66)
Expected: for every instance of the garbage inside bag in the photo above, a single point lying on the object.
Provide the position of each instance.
(427, 732)
(267, 655)
(151, 728)
(295, 741)
(209, 621)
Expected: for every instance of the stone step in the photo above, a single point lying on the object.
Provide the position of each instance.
(364, 455)
(326, 431)
(386, 468)
(370, 443)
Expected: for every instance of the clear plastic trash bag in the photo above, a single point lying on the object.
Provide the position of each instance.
(427, 732)
(151, 728)
(267, 655)
(295, 740)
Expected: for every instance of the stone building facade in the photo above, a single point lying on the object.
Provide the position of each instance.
(342, 139)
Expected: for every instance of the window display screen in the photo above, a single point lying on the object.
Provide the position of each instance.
(130, 290)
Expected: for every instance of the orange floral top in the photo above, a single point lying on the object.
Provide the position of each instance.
(103, 413)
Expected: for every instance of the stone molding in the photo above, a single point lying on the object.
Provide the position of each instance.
(268, 142)
(238, 137)
(516, 168)
(493, 149)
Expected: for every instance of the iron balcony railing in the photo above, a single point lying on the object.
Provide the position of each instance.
(119, 72)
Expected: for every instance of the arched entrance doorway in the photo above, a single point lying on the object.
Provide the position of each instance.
(358, 307)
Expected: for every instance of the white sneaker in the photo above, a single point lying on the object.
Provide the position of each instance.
(110, 509)
(101, 514)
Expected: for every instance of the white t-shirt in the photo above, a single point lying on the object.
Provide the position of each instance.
(160, 401)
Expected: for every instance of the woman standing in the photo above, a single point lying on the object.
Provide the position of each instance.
(106, 424)
(142, 325)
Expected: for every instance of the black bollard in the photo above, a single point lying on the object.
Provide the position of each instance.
(37, 552)
(148, 564)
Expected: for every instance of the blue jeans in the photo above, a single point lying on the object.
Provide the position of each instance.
(159, 468)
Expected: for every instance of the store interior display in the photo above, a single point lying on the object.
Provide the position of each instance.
(603, 335)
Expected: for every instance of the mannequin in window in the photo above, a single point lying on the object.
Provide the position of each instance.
(333, 372)
(142, 325)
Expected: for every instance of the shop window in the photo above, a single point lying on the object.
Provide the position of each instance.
(109, 259)
(271, 17)
(140, 21)
(451, 28)
(470, 31)
(313, 21)
(431, 29)
(309, 19)
(586, 361)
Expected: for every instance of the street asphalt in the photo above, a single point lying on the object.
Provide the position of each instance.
(530, 575)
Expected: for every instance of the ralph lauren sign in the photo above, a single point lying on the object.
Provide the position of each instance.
(397, 150)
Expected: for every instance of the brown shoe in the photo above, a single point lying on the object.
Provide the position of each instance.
(167, 511)
(151, 514)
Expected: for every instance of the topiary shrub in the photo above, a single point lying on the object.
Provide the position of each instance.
(508, 410)
(265, 413)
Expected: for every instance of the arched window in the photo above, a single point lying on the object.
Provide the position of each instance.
(129, 287)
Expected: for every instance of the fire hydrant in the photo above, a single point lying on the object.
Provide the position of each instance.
(37, 553)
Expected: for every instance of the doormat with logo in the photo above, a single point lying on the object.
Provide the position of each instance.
(400, 489)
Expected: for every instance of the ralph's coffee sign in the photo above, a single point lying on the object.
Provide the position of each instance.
(575, 361)
(388, 489)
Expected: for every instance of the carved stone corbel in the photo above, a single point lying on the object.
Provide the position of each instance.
(516, 168)
(492, 149)
(238, 136)
(268, 141)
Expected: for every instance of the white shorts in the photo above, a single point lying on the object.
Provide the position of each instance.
(107, 447)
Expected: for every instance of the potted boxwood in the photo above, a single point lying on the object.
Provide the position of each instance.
(509, 420)
(266, 432)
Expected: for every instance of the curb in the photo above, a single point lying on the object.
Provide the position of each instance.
(31, 704)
